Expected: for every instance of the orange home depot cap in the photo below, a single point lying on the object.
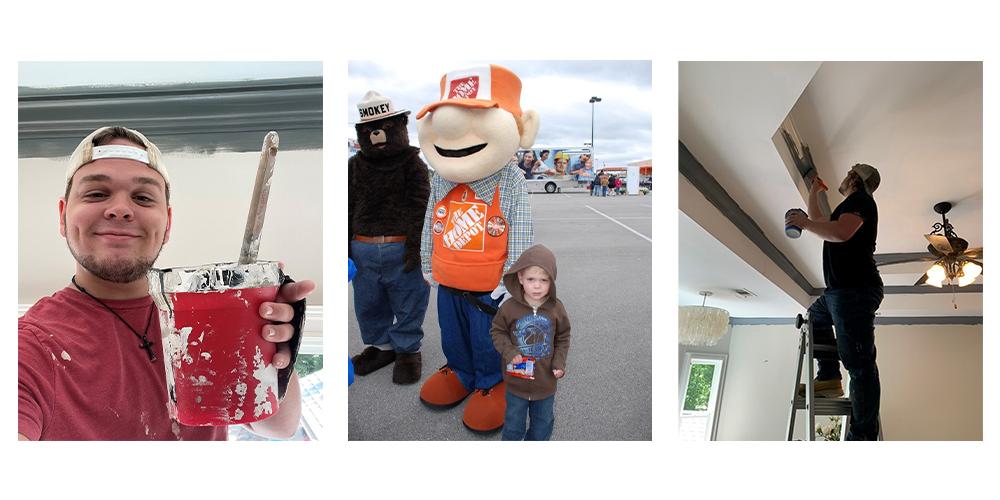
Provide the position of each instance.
(483, 87)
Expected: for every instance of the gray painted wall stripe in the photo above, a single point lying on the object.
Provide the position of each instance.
(901, 320)
(692, 169)
(703, 181)
(193, 117)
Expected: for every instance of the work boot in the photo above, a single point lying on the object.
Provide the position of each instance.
(824, 389)
(371, 359)
(486, 408)
(443, 389)
(407, 369)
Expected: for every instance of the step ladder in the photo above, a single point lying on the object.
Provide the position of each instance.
(809, 402)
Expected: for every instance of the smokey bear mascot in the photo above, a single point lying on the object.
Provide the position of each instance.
(387, 191)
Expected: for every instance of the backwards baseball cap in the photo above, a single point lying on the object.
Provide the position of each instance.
(90, 149)
(868, 175)
(483, 87)
(375, 106)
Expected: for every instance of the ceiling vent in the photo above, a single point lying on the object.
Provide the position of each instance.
(744, 293)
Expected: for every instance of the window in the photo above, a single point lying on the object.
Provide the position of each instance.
(309, 366)
(701, 396)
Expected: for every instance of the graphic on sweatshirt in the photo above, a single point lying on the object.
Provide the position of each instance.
(534, 335)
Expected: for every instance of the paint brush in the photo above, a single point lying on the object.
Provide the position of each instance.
(258, 203)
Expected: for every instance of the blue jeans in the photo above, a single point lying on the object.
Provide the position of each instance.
(542, 416)
(852, 312)
(466, 341)
(388, 303)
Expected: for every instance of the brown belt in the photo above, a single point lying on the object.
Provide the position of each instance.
(379, 239)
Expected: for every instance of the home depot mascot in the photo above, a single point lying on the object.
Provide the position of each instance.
(478, 221)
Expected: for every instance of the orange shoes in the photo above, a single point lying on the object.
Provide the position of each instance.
(443, 389)
(486, 408)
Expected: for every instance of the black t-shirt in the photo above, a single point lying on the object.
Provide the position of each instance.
(852, 263)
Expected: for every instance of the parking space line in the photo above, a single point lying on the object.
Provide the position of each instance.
(612, 219)
(553, 219)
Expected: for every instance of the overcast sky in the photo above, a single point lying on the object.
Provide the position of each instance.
(559, 91)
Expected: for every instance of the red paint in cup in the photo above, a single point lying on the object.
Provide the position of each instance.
(218, 367)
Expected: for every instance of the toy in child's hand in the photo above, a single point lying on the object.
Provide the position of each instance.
(523, 369)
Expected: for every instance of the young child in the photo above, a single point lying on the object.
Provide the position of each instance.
(531, 333)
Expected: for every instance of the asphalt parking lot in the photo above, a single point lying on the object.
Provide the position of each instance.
(604, 252)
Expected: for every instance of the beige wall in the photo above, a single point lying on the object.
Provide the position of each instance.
(931, 375)
(210, 195)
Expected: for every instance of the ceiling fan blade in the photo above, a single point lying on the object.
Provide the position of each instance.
(939, 242)
(975, 253)
(922, 280)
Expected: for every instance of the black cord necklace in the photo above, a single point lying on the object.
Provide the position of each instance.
(146, 344)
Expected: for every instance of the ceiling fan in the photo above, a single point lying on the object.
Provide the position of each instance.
(953, 259)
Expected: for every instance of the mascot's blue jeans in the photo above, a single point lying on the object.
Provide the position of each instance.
(852, 312)
(466, 341)
(389, 303)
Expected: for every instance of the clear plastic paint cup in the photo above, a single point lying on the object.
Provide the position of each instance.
(793, 231)
(218, 367)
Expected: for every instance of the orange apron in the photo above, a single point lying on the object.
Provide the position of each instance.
(470, 241)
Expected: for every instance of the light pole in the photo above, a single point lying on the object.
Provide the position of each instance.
(593, 100)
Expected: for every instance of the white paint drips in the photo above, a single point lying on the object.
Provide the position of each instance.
(267, 378)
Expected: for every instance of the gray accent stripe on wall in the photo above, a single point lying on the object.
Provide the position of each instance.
(190, 117)
(902, 320)
(703, 181)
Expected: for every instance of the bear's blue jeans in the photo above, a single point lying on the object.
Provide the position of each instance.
(388, 303)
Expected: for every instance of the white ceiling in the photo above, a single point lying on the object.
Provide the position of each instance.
(920, 124)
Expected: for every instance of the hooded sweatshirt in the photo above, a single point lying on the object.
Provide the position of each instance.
(542, 332)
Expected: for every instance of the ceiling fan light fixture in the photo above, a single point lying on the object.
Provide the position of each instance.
(970, 271)
(936, 274)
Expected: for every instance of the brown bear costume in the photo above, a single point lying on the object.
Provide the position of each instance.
(387, 190)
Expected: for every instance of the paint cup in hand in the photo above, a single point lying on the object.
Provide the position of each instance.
(218, 367)
(790, 230)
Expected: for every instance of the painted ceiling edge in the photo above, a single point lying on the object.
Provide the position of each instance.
(191, 117)
(710, 188)
(879, 320)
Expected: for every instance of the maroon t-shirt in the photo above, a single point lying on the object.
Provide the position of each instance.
(81, 374)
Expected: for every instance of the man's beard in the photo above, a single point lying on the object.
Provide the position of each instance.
(116, 270)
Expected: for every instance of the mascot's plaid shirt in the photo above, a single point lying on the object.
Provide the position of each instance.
(513, 203)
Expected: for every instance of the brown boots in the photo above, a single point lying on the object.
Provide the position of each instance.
(408, 368)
